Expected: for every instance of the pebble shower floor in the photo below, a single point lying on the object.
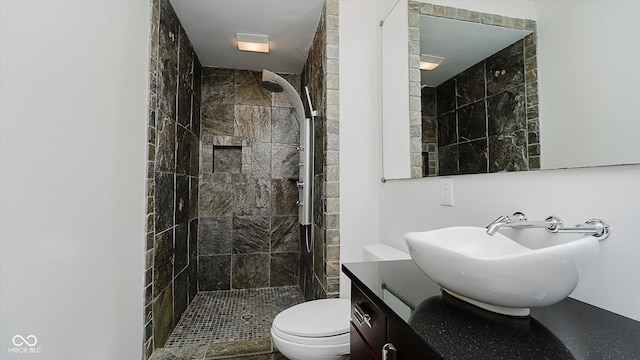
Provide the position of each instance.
(229, 324)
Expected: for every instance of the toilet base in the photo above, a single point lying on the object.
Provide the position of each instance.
(295, 351)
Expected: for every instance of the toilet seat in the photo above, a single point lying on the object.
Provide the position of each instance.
(315, 322)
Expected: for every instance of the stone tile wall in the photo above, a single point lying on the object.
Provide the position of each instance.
(320, 272)
(485, 119)
(248, 227)
(172, 176)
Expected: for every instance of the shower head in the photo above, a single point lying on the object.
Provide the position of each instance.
(270, 82)
(272, 86)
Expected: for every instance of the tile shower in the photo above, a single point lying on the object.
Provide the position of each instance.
(222, 215)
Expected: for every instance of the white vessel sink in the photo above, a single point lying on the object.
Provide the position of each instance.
(495, 272)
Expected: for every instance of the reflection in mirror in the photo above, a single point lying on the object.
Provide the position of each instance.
(479, 107)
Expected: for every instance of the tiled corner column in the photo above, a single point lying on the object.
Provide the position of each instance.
(415, 118)
(332, 154)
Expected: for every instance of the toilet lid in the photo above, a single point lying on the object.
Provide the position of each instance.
(318, 318)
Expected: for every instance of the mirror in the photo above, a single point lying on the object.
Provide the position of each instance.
(482, 117)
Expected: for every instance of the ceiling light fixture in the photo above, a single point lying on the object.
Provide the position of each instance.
(253, 42)
(430, 62)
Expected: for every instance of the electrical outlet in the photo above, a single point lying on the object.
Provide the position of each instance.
(446, 192)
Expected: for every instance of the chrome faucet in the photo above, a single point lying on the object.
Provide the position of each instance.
(519, 220)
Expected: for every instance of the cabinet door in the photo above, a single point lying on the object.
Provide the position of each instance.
(374, 329)
(360, 350)
(407, 348)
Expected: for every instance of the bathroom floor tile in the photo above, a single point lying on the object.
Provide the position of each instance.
(216, 317)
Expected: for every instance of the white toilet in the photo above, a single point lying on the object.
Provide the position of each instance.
(319, 329)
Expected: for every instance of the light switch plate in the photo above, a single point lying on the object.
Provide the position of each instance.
(446, 192)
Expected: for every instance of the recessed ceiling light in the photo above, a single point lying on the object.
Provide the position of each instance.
(253, 42)
(430, 62)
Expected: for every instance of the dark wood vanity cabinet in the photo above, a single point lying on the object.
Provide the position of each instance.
(375, 336)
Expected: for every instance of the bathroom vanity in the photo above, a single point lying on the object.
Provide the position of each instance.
(399, 313)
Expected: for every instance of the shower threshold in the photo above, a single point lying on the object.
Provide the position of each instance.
(229, 324)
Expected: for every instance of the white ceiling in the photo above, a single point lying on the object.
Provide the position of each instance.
(462, 44)
(212, 24)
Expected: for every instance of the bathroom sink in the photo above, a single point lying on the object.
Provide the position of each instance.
(495, 272)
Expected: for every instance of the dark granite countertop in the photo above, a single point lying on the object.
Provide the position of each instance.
(454, 329)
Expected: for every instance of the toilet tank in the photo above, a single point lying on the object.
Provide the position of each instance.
(381, 252)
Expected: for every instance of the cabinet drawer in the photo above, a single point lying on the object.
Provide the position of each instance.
(369, 320)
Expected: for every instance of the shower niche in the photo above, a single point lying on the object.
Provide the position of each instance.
(227, 159)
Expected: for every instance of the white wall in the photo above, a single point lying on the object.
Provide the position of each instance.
(575, 195)
(72, 183)
(359, 151)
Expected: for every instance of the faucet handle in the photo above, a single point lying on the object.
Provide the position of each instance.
(520, 216)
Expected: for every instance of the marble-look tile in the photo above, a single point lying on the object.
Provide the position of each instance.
(215, 235)
(285, 126)
(193, 258)
(318, 196)
(166, 144)
(197, 76)
(182, 199)
(181, 247)
(162, 261)
(252, 198)
(505, 69)
(195, 115)
(239, 349)
(214, 272)
(284, 194)
(472, 121)
(470, 84)
(163, 316)
(446, 97)
(186, 352)
(218, 86)
(285, 234)
(227, 159)
(193, 198)
(448, 160)
(217, 119)
(429, 129)
(428, 101)
(508, 152)
(168, 34)
(251, 234)
(506, 111)
(319, 258)
(285, 268)
(184, 104)
(253, 122)
(447, 132)
(167, 82)
(284, 162)
(248, 89)
(250, 271)
(164, 201)
(215, 199)
(180, 295)
(186, 57)
(473, 157)
(261, 160)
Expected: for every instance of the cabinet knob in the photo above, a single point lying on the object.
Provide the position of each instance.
(388, 352)
(361, 316)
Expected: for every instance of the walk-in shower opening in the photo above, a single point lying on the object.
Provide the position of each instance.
(228, 323)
